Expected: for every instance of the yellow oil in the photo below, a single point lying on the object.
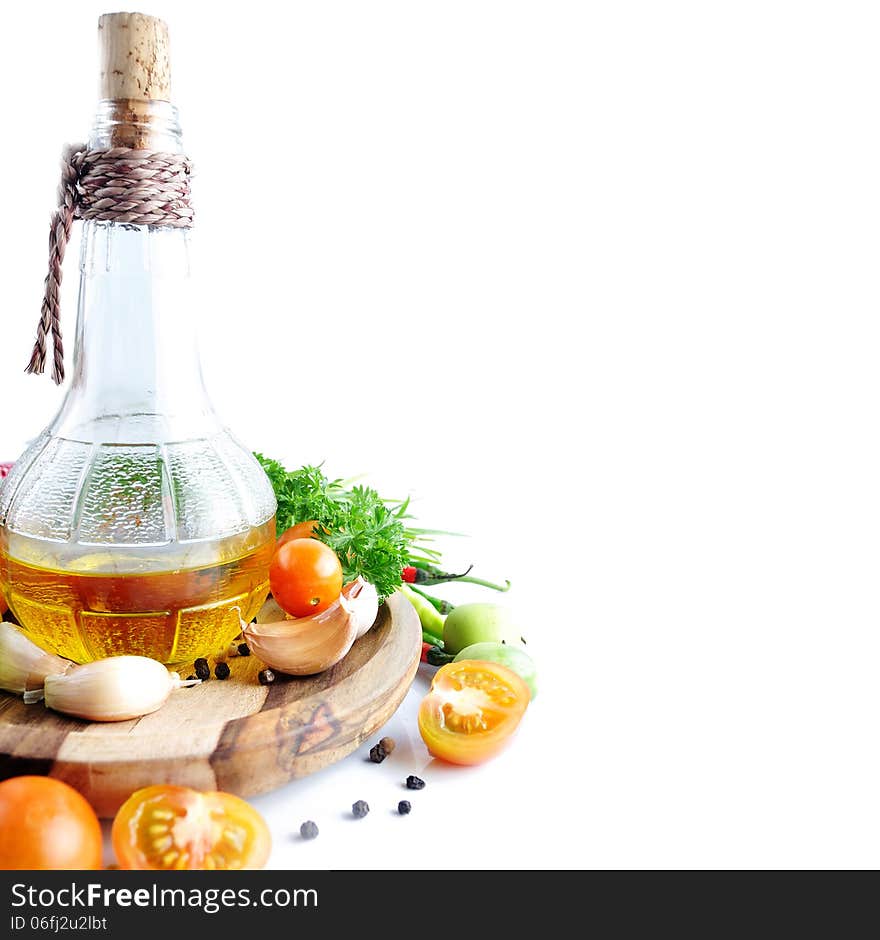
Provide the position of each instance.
(89, 606)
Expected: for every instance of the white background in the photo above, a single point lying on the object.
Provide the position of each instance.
(597, 283)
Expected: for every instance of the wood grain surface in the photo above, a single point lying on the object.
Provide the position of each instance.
(234, 734)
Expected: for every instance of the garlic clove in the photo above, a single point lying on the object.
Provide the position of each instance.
(271, 612)
(303, 646)
(363, 603)
(113, 689)
(24, 665)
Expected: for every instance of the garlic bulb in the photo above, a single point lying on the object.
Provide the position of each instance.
(113, 689)
(23, 665)
(303, 646)
(270, 612)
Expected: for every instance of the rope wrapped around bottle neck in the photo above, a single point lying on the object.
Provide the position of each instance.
(133, 187)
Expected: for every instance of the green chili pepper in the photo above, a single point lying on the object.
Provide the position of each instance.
(431, 620)
(438, 603)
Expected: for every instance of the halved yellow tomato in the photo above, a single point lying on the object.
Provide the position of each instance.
(471, 711)
(167, 827)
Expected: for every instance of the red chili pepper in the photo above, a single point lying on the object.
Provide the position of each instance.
(433, 575)
(425, 648)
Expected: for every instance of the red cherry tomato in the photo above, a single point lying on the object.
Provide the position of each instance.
(302, 530)
(305, 577)
(46, 825)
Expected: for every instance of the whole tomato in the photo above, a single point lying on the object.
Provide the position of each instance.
(302, 530)
(46, 825)
(305, 577)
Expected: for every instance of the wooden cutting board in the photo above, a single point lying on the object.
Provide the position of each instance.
(234, 735)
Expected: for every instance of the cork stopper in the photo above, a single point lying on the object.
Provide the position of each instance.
(134, 57)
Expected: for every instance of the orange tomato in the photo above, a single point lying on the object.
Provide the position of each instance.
(168, 827)
(305, 577)
(302, 530)
(471, 711)
(47, 825)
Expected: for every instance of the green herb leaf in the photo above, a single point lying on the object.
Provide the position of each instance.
(367, 533)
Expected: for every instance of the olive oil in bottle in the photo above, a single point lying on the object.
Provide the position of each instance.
(90, 609)
(135, 522)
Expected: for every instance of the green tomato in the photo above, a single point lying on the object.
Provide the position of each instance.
(516, 659)
(478, 623)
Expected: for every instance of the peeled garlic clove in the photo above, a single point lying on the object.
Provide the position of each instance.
(363, 604)
(113, 689)
(23, 665)
(303, 646)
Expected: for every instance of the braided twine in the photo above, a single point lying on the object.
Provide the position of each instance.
(134, 187)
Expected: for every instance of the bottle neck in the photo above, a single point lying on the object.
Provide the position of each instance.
(136, 373)
(142, 125)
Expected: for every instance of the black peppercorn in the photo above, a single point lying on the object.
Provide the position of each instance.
(221, 670)
(244, 649)
(266, 677)
(378, 752)
(190, 678)
(403, 807)
(308, 830)
(414, 783)
(360, 809)
(203, 670)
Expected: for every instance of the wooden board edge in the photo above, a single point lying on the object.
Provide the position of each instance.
(272, 762)
(280, 749)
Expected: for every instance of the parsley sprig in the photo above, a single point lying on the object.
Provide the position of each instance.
(369, 534)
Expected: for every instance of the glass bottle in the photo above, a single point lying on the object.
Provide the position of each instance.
(135, 523)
